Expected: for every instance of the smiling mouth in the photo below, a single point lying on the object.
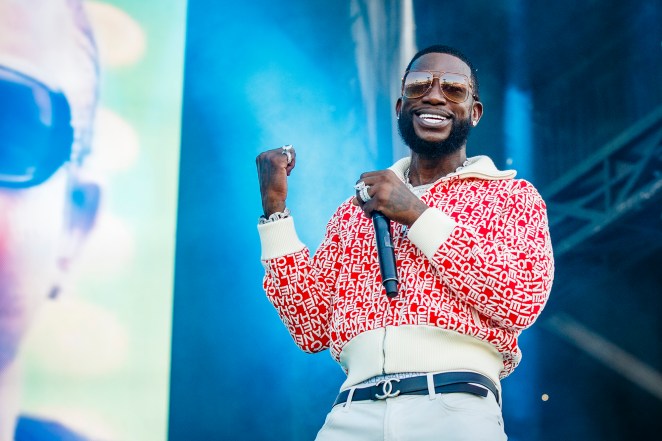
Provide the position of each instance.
(432, 119)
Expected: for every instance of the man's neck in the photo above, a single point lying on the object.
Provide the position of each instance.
(424, 170)
(10, 397)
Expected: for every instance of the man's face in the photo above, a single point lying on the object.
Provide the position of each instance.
(39, 223)
(432, 125)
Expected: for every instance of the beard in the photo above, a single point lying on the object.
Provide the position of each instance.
(434, 149)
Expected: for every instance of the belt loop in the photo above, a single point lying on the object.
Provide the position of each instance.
(349, 400)
(431, 391)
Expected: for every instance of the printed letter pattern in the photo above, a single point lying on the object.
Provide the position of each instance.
(490, 279)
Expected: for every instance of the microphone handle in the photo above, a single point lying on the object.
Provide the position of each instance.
(385, 253)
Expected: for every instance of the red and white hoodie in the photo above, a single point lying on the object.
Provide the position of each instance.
(474, 271)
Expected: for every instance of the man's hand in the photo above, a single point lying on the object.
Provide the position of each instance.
(391, 196)
(272, 171)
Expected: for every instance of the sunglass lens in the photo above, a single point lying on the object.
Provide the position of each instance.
(35, 132)
(416, 84)
(455, 87)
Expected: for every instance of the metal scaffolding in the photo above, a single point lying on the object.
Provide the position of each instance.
(623, 177)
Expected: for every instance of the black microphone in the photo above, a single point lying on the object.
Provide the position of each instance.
(385, 253)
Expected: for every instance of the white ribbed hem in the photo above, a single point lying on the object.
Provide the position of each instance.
(430, 230)
(279, 238)
(415, 348)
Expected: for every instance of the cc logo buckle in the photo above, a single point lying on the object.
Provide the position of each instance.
(387, 389)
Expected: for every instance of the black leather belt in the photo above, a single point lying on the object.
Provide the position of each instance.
(445, 382)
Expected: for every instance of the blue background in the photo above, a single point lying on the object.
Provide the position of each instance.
(271, 73)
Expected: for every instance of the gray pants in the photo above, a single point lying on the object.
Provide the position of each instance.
(441, 417)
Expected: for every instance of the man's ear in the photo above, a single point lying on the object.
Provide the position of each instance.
(84, 205)
(476, 112)
(83, 209)
(82, 214)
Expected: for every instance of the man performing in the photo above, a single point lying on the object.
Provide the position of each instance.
(474, 263)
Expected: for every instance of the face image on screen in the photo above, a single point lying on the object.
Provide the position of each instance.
(90, 106)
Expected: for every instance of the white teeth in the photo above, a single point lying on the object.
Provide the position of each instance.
(431, 116)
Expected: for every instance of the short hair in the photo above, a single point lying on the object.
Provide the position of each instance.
(443, 49)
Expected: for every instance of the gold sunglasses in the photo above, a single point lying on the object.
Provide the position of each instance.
(455, 87)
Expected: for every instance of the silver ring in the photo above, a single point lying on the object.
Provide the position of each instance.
(363, 191)
(363, 194)
(286, 152)
(359, 185)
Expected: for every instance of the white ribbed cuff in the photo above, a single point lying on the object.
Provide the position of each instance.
(430, 230)
(279, 238)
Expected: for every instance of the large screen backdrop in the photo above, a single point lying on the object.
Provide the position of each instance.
(97, 357)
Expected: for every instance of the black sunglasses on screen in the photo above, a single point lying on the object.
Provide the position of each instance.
(36, 136)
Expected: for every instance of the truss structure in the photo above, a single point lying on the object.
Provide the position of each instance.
(622, 178)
